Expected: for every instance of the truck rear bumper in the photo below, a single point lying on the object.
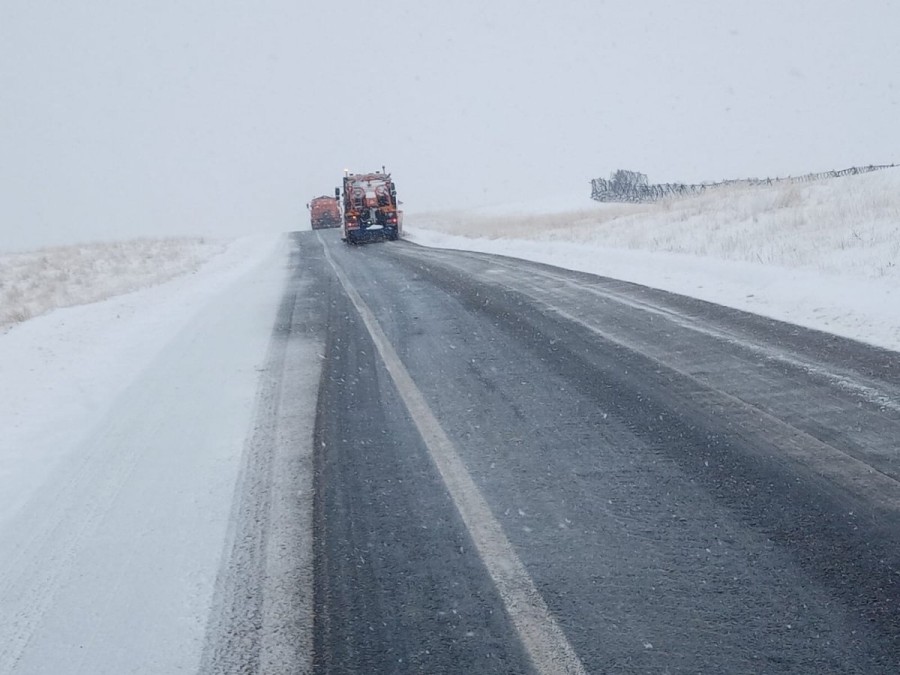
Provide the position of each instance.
(374, 233)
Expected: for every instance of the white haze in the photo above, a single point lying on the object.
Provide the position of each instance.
(164, 118)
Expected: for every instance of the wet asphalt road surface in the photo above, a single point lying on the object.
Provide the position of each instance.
(689, 488)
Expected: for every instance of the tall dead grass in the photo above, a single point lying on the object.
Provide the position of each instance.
(835, 225)
(36, 282)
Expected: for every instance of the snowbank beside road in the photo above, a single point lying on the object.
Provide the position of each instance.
(824, 255)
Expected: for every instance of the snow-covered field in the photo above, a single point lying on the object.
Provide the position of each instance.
(146, 397)
(824, 255)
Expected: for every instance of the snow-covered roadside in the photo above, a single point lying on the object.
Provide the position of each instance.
(824, 255)
(123, 428)
(863, 309)
(61, 371)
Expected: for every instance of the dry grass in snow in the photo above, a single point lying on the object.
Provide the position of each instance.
(36, 282)
(848, 225)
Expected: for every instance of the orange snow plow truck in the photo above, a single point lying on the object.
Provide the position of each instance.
(324, 212)
(370, 207)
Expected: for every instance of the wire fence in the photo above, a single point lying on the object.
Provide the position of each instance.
(632, 186)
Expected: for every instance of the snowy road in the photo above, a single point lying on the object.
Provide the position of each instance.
(685, 487)
(442, 462)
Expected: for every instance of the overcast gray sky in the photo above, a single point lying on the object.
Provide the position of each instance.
(223, 117)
